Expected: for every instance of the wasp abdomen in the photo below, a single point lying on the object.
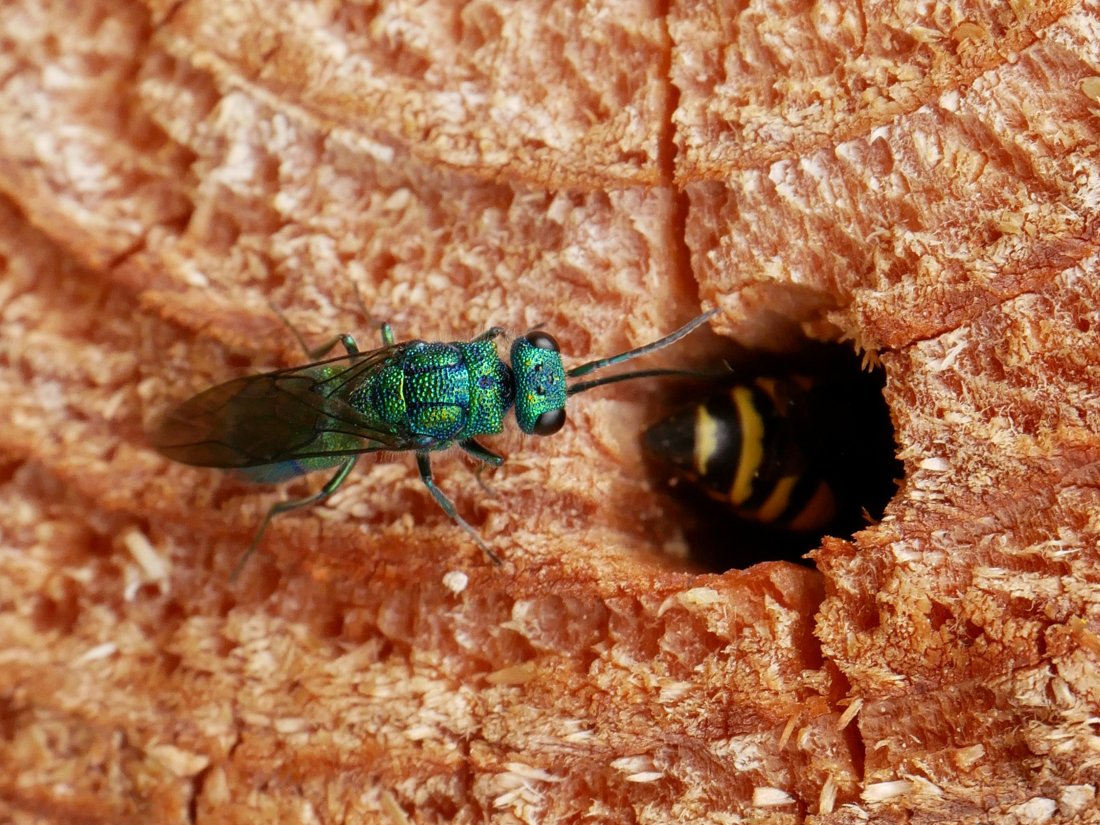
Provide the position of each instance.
(742, 446)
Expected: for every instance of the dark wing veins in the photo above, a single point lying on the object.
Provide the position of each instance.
(279, 416)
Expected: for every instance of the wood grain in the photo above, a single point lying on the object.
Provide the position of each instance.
(920, 179)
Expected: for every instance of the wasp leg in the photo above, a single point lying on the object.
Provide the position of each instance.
(349, 343)
(424, 464)
(284, 506)
(490, 334)
(484, 456)
(383, 326)
(316, 353)
(481, 452)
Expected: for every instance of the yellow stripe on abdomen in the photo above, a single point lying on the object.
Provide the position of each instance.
(752, 445)
(775, 504)
(706, 438)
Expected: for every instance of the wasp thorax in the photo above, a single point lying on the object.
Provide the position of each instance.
(540, 383)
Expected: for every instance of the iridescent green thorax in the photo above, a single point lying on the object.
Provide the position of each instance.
(540, 382)
(491, 388)
(438, 393)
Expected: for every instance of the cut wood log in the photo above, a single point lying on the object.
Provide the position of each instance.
(917, 179)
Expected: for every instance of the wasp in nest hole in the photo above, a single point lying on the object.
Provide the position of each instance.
(779, 454)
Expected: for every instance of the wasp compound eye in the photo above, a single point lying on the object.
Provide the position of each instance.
(542, 340)
(550, 421)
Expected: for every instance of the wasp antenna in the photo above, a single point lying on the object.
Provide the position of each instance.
(672, 338)
(585, 386)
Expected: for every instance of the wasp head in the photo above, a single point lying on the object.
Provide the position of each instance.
(540, 383)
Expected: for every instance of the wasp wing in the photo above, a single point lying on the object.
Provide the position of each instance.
(297, 413)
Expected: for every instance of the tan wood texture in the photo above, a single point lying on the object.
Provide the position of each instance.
(919, 178)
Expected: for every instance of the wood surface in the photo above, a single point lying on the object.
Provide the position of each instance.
(919, 179)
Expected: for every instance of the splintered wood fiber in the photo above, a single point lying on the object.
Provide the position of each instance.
(918, 180)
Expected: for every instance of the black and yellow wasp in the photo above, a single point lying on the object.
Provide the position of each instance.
(744, 446)
(788, 455)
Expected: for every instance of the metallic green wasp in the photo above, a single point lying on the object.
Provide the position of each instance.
(411, 396)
